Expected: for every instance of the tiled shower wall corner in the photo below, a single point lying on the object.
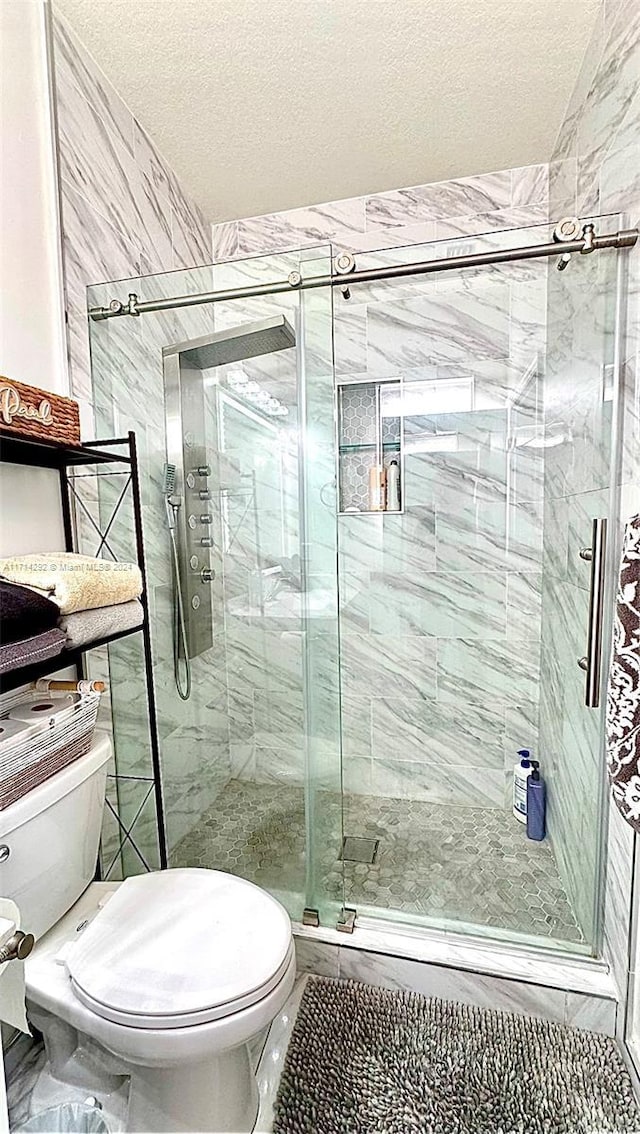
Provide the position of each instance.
(595, 168)
(440, 615)
(124, 215)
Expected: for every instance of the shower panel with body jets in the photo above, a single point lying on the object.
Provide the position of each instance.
(186, 488)
(309, 709)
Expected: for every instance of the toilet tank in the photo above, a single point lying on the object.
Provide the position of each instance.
(49, 840)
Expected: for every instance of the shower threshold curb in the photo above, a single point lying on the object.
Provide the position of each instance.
(472, 954)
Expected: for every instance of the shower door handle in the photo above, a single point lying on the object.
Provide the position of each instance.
(592, 663)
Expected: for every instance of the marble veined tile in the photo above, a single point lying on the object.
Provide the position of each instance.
(439, 604)
(524, 605)
(225, 240)
(356, 773)
(456, 480)
(316, 957)
(360, 544)
(489, 536)
(449, 785)
(356, 728)
(408, 541)
(530, 184)
(280, 765)
(74, 65)
(452, 328)
(402, 731)
(620, 170)
(150, 162)
(383, 665)
(94, 249)
(620, 846)
(457, 197)
(512, 219)
(332, 221)
(594, 1013)
(486, 669)
(279, 721)
(467, 734)
(350, 336)
(610, 94)
(190, 234)
(101, 168)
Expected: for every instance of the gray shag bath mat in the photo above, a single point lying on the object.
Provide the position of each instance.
(365, 1060)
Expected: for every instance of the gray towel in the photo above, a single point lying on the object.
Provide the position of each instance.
(85, 626)
(30, 650)
(623, 694)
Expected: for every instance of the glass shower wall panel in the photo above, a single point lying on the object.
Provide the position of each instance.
(128, 393)
(240, 774)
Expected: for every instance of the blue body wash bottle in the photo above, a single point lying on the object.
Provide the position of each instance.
(536, 804)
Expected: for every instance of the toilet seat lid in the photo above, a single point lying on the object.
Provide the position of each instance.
(179, 947)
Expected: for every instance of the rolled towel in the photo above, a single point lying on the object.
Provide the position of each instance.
(90, 625)
(24, 613)
(623, 694)
(75, 582)
(30, 650)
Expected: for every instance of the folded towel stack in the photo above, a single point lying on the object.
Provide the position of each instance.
(28, 627)
(62, 600)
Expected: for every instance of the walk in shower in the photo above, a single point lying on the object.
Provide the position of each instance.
(362, 678)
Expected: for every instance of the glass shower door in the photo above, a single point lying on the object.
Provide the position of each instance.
(464, 606)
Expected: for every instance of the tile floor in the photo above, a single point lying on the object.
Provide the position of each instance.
(465, 864)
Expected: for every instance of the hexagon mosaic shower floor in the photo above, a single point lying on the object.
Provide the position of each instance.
(460, 863)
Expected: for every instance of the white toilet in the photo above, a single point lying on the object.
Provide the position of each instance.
(171, 973)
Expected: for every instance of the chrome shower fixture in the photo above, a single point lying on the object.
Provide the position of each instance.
(169, 479)
(570, 229)
(173, 503)
(567, 229)
(246, 341)
(589, 234)
(191, 482)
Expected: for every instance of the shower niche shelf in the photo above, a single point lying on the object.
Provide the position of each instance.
(369, 442)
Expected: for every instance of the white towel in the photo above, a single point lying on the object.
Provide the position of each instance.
(75, 582)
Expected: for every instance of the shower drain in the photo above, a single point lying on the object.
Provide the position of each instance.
(355, 849)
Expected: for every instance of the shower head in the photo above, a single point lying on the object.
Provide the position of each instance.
(169, 480)
(238, 343)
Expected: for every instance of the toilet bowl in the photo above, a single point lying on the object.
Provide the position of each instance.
(171, 974)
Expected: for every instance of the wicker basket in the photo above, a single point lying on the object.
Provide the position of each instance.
(40, 415)
(46, 746)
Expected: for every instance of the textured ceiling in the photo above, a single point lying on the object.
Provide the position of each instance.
(262, 105)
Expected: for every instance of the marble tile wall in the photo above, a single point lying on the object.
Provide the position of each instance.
(440, 607)
(125, 215)
(595, 168)
(577, 1009)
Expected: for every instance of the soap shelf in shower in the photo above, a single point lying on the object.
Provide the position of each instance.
(369, 437)
(388, 446)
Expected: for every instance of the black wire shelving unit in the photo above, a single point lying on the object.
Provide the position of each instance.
(62, 458)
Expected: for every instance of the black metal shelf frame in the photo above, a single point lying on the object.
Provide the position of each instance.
(45, 454)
